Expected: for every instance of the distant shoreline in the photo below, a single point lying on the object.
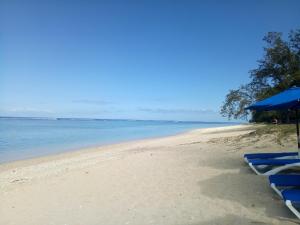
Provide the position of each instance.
(92, 148)
(105, 119)
(24, 138)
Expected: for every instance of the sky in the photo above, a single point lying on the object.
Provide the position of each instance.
(158, 60)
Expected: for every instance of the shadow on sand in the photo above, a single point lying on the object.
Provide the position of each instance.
(230, 220)
(237, 220)
(227, 162)
(240, 186)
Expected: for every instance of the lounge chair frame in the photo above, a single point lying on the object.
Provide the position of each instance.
(275, 170)
(289, 204)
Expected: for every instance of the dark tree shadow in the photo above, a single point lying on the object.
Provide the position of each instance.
(249, 190)
(227, 162)
(237, 220)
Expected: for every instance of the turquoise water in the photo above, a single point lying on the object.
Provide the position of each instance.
(23, 138)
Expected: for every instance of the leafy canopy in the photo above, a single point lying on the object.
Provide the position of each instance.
(278, 70)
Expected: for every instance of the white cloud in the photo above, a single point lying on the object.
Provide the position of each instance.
(172, 111)
(29, 110)
(91, 102)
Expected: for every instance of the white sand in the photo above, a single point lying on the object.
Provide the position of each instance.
(196, 178)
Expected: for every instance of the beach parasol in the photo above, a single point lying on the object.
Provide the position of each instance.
(288, 99)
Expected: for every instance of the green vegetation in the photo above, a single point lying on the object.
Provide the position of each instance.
(278, 70)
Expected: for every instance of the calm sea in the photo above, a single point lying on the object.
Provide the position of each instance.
(23, 138)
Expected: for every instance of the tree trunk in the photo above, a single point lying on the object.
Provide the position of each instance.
(288, 117)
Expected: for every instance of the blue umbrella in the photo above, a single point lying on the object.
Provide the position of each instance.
(288, 99)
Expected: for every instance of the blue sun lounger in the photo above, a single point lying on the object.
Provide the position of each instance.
(292, 200)
(272, 166)
(280, 181)
(249, 156)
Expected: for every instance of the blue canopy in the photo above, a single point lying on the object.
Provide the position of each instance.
(288, 99)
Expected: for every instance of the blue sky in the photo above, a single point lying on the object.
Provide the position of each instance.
(131, 59)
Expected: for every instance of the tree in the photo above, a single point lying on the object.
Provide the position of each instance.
(236, 101)
(278, 70)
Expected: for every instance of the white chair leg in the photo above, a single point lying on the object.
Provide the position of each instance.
(292, 208)
(273, 186)
(255, 170)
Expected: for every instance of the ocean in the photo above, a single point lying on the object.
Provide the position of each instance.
(24, 138)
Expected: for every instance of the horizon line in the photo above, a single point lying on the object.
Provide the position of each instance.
(89, 118)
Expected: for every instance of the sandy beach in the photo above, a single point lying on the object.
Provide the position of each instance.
(195, 178)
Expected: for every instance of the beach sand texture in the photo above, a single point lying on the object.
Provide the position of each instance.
(195, 178)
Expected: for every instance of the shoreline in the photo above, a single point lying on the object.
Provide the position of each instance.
(197, 178)
(65, 161)
(97, 147)
(17, 148)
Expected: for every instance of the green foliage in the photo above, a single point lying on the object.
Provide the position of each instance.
(278, 70)
(236, 101)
